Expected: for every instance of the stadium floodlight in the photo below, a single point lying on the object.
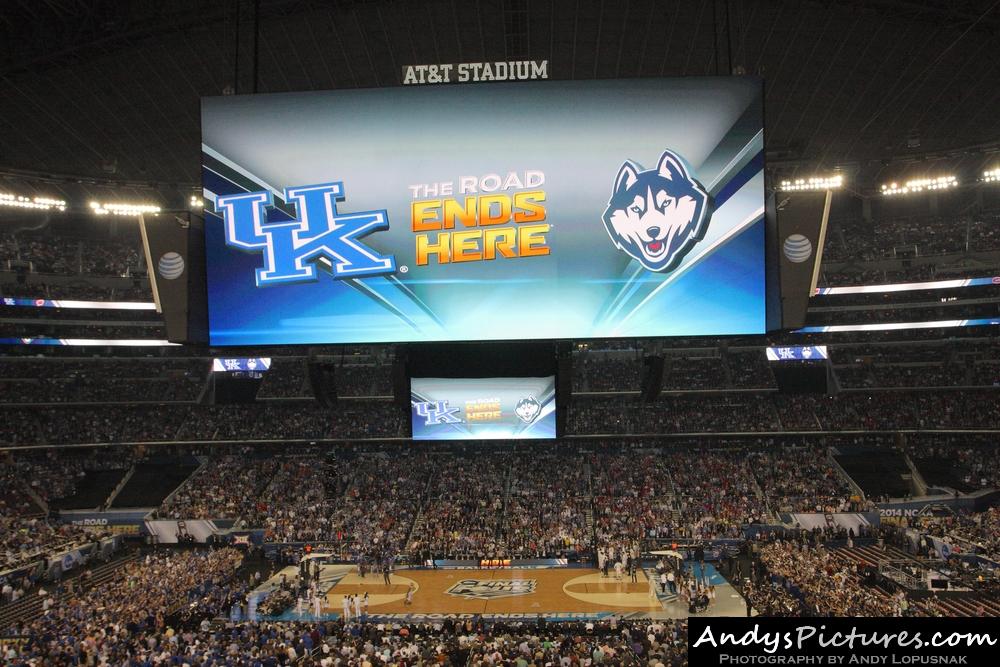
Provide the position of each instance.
(814, 183)
(122, 208)
(38, 203)
(991, 175)
(196, 201)
(920, 185)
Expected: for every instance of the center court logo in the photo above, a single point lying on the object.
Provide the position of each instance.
(290, 247)
(491, 589)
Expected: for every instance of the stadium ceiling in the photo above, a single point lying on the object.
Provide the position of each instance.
(109, 89)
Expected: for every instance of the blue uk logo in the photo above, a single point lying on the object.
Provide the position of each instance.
(437, 412)
(291, 247)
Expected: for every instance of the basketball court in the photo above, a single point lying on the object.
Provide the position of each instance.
(553, 592)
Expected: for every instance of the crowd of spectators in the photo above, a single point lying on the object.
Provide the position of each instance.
(797, 412)
(94, 389)
(749, 369)
(27, 533)
(904, 271)
(128, 618)
(376, 502)
(78, 289)
(631, 498)
(218, 422)
(25, 539)
(860, 366)
(138, 628)
(685, 373)
(112, 423)
(49, 252)
(364, 379)
(55, 329)
(966, 531)
(464, 507)
(606, 372)
(285, 379)
(15, 499)
(983, 530)
(186, 422)
(941, 363)
(293, 504)
(880, 410)
(546, 510)
(822, 583)
(769, 599)
(800, 479)
(911, 236)
(100, 367)
(967, 462)
(293, 420)
(19, 428)
(715, 493)
(674, 413)
(651, 642)
(359, 506)
(225, 487)
(901, 312)
(384, 492)
(52, 475)
(67, 380)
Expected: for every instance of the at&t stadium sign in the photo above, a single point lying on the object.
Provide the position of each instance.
(502, 70)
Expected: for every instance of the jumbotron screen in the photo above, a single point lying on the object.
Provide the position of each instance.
(483, 408)
(494, 211)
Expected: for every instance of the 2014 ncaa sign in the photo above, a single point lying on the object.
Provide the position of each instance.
(500, 211)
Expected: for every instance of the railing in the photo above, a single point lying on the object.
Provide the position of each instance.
(43, 553)
(118, 488)
(30, 606)
(896, 570)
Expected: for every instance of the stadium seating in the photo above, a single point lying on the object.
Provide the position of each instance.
(880, 473)
(175, 504)
(151, 482)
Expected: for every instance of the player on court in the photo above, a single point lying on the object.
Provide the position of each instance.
(409, 594)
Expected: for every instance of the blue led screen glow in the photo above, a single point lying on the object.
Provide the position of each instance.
(483, 408)
(494, 211)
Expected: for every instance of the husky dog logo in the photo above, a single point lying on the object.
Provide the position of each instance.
(491, 589)
(656, 216)
(527, 409)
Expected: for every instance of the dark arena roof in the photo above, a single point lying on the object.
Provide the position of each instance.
(110, 89)
(523, 474)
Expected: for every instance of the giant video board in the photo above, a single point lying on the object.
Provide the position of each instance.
(503, 408)
(495, 211)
